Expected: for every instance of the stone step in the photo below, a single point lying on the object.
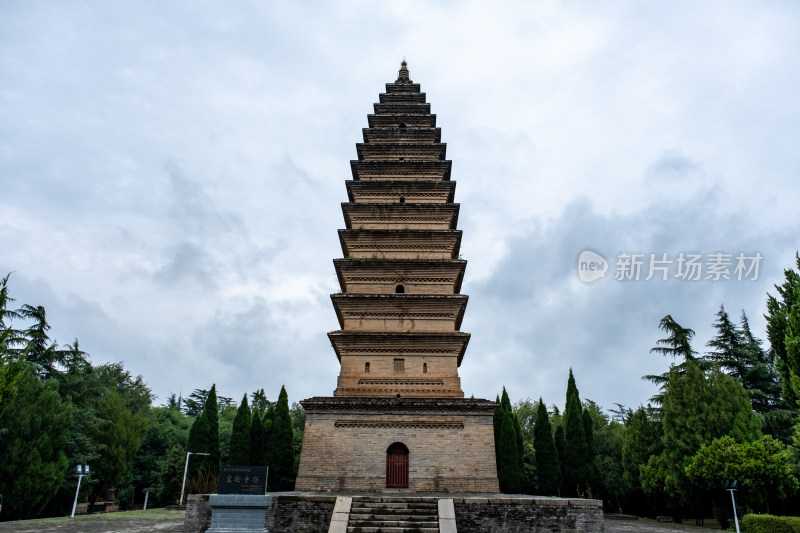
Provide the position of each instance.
(396, 505)
(392, 510)
(382, 529)
(394, 499)
(397, 523)
(391, 516)
(386, 514)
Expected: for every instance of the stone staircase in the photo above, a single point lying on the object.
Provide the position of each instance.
(387, 514)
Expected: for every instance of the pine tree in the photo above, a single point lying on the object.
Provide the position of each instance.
(727, 346)
(280, 459)
(577, 454)
(257, 440)
(240, 436)
(259, 402)
(678, 344)
(547, 464)
(783, 333)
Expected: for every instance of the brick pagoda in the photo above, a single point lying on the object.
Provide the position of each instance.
(398, 418)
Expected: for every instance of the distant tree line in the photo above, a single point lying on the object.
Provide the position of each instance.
(58, 410)
(728, 414)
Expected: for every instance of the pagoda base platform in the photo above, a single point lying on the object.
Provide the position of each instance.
(450, 443)
(291, 512)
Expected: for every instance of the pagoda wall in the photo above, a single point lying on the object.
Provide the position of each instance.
(450, 443)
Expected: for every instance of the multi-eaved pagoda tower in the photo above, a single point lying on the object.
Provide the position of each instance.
(398, 417)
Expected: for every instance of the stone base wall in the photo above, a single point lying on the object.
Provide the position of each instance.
(523, 514)
(289, 512)
(198, 514)
(450, 443)
(293, 512)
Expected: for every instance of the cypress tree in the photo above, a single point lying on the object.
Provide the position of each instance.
(211, 412)
(240, 436)
(506, 403)
(279, 455)
(510, 472)
(547, 464)
(592, 472)
(198, 442)
(257, 441)
(561, 449)
(198, 435)
(577, 455)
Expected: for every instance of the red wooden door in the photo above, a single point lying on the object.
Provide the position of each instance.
(397, 466)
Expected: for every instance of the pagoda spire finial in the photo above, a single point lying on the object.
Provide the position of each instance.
(403, 75)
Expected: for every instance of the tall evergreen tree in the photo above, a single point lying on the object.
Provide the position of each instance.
(240, 437)
(257, 440)
(506, 403)
(577, 453)
(642, 440)
(509, 474)
(783, 333)
(259, 402)
(40, 350)
(10, 363)
(547, 465)
(592, 472)
(280, 458)
(678, 344)
(199, 435)
(761, 380)
(561, 448)
(507, 447)
(739, 353)
(696, 411)
(34, 432)
(211, 412)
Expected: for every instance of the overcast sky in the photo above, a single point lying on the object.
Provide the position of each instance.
(171, 176)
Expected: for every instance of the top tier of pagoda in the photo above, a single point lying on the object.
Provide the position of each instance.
(400, 306)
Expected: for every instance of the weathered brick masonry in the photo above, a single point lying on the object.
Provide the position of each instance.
(450, 442)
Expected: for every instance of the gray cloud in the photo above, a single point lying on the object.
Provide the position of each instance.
(170, 176)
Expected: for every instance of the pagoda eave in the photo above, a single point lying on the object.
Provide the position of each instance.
(394, 190)
(400, 216)
(396, 271)
(399, 170)
(427, 343)
(400, 244)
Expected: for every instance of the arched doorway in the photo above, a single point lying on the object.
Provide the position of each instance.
(397, 466)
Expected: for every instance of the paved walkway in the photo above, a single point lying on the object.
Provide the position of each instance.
(158, 520)
(646, 525)
(164, 521)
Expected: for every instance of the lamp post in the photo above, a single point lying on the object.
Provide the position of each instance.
(730, 486)
(80, 471)
(185, 469)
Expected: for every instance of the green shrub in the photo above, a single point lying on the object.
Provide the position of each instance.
(766, 523)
